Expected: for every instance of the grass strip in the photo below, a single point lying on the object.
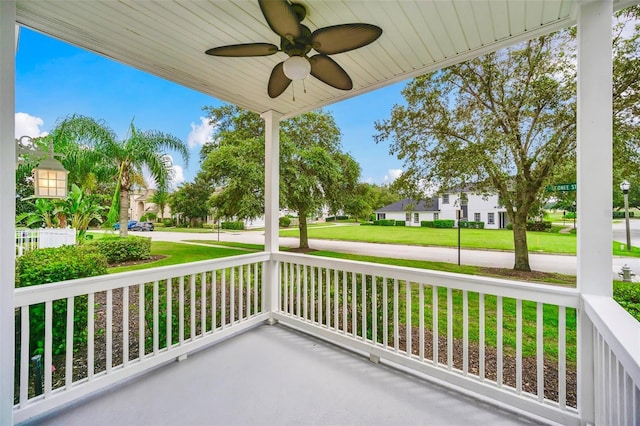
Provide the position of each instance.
(178, 253)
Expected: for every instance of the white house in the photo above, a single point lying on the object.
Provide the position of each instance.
(479, 208)
(412, 212)
(140, 203)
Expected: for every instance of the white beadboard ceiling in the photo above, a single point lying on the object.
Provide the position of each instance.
(169, 38)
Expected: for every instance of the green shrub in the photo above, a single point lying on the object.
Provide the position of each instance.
(284, 222)
(232, 225)
(427, 224)
(52, 265)
(444, 223)
(366, 223)
(471, 224)
(617, 214)
(572, 215)
(510, 226)
(342, 217)
(384, 222)
(539, 226)
(372, 217)
(628, 296)
(401, 223)
(168, 222)
(330, 219)
(64, 263)
(117, 249)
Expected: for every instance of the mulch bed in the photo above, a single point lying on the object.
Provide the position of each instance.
(529, 364)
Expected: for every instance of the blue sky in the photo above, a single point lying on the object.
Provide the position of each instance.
(55, 79)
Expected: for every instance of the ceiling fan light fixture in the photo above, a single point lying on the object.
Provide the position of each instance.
(297, 68)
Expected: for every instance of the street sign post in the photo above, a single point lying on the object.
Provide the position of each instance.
(563, 187)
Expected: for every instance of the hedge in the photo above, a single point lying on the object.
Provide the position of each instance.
(471, 224)
(284, 221)
(628, 296)
(401, 223)
(123, 249)
(539, 226)
(427, 224)
(51, 265)
(620, 215)
(384, 222)
(238, 226)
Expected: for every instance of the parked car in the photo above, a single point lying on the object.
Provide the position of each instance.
(130, 225)
(146, 226)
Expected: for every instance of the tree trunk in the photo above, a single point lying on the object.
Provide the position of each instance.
(124, 212)
(302, 225)
(520, 244)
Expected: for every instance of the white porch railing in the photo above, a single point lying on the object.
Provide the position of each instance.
(31, 239)
(509, 342)
(478, 334)
(616, 336)
(120, 325)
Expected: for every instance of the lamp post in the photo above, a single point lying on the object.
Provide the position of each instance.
(50, 177)
(624, 186)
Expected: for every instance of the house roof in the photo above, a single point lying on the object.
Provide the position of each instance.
(408, 204)
(168, 39)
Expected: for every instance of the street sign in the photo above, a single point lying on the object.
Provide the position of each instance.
(563, 187)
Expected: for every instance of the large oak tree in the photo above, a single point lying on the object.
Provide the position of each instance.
(314, 172)
(502, 122)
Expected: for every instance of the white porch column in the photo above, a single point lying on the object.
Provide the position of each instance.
(7, 205)
(594, 151)
(594, 147)
(272, 205)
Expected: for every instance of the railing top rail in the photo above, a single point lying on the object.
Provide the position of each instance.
(543, 293)
(619, 329)
(37, 294)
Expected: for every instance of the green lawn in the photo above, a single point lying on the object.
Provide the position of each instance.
(620, 249)
(178, 253)
(470, 238)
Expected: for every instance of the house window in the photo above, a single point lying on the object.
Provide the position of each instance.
(381, 216)
(445, 199)
(491, 218)
(416, 217)
(476, 217)
(436, 216)
(407, 217)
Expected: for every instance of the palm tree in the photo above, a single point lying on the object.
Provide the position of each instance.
(161, 199)
(141, 149)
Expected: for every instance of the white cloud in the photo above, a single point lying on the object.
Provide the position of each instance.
(368, 180)
(178, 176)
(200, 133)
(392, 174)
(28, 125)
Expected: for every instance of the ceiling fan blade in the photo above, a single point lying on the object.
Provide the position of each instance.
(243, 50)
(278, 82)
(345, 37)
(281, 17)
(328, 71)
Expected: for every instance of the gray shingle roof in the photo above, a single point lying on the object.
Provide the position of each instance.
(430, 205)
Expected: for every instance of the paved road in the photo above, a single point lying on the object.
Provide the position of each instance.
(539, 262)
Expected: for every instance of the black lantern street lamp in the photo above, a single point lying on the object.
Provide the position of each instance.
(624, 186)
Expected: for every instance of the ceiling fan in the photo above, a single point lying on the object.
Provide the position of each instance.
(297, 40)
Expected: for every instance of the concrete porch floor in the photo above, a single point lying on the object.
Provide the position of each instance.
(273, 375)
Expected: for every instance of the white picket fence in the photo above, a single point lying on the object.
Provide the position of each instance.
(31, 239)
